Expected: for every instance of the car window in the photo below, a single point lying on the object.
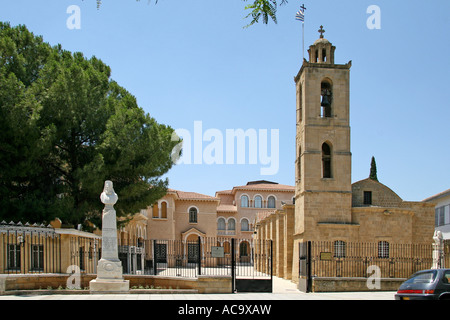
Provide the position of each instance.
(423, 277)
(446, 278)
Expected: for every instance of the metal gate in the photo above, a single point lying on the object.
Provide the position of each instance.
(304, 279)
(254, 272)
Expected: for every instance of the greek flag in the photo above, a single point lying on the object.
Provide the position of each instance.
(300, 16)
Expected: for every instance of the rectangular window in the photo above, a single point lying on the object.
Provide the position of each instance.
(339, 249)
(14, 257)
(37, 257)
(439, 216)
(447, 214)
(368, 198)
(383, 249)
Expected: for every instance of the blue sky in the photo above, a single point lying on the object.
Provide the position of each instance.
(188, 61)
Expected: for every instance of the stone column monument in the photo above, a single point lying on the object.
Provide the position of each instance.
(109, 268)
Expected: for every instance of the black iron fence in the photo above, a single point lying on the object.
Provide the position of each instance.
(180, 258)
(28, 249)
(84, 253)
(447, 253)
(201, 256)
(346, 259)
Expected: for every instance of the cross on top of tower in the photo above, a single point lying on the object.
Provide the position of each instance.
(321, 31)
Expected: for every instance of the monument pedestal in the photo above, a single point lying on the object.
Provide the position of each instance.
(109, 286)
(109, 278)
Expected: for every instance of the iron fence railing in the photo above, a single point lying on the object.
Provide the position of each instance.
(29, 249)
(39, 249)
(347, 259)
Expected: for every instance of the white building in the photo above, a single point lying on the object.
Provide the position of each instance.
(442, 212)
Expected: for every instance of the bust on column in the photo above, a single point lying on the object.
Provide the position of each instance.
(109, 268)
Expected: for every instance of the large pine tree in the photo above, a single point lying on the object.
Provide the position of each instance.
(66, 128)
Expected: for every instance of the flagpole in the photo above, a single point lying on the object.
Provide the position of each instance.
(303, 38)
(301, 16)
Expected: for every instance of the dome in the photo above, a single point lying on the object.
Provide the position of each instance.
(322, 41)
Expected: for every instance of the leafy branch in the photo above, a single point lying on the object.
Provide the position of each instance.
(263, 9)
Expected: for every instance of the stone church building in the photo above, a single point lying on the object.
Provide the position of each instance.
(328, 207)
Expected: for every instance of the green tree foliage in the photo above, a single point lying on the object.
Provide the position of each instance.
(66, 128)
(373, 170)
(263, 9)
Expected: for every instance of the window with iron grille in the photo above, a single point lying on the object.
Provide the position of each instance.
(37, 257)
(339, 249)
(368, 198)
(14, 257)
(383, 249)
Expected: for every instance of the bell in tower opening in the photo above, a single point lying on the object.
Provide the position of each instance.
(326, 100)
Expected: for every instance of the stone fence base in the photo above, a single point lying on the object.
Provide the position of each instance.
(13, 283)
(355, 284)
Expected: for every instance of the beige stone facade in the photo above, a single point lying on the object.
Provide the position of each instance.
(328, 207)
(182, 215)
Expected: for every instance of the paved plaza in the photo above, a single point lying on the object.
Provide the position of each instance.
(282, 290)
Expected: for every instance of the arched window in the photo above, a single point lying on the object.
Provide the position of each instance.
(258, 202)
(244, 201)
(231, 224)
(155, 211)
(193, 215)
(221, 224)
(326, 99)
(244, 249)
(299, 104)
(326, 161)
(339, 249)
(271, 202)
(245, 225)
(164, 210)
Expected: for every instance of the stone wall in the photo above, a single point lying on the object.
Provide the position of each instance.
(353, 284)
(382, 196)
(202, 284)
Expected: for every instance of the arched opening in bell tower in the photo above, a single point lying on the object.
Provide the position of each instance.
(326, 99)
(326, 161)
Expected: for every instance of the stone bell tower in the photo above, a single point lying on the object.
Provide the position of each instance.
(323, 159)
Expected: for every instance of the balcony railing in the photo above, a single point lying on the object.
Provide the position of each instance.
(226, 232)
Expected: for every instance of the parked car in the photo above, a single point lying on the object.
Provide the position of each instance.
(433, 284)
